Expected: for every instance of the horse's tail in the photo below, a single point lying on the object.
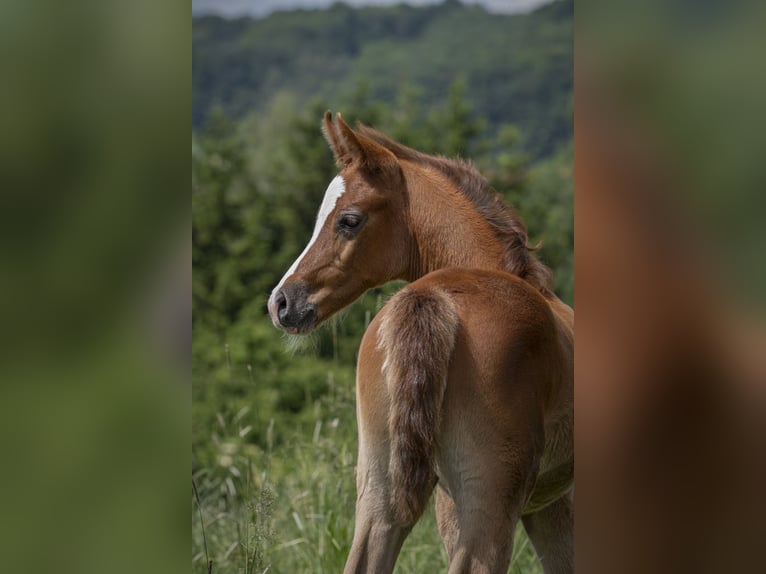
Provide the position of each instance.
(418, 336)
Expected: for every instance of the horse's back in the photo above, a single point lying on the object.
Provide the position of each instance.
(509, 341)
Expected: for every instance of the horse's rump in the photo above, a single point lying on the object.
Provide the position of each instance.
(495, 335)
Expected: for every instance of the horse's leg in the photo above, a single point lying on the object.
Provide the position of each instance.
(479, 532)
(463, 555)
(446, 518)
(377, 535)
(551, 531)
(486, 467)
(479, 504)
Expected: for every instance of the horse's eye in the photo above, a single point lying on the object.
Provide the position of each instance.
(349, 221)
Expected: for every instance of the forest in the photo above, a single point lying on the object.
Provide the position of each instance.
(273, 424)
(518, 67)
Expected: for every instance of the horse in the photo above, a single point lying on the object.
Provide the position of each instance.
(464, 377)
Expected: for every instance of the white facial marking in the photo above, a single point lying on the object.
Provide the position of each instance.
(336, 189)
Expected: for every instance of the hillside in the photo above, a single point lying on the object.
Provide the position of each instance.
(517, 68)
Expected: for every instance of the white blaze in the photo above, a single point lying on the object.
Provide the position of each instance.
(336, 188)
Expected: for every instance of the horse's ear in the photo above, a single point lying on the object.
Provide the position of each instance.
(337, 145)
(360, 149)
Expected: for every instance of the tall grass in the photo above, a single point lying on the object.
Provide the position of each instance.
(287, 506)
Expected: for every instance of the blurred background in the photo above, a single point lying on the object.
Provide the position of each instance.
(274, 431)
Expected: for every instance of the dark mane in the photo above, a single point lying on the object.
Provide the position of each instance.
(505, 222)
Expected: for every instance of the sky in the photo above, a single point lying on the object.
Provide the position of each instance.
(236, 8)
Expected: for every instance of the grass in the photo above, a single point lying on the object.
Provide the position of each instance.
(285, 503)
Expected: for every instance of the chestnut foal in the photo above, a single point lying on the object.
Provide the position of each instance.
(464, 378)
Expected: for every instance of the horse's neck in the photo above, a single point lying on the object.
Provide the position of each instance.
(447, 230)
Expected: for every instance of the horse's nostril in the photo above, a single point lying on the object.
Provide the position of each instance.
(281, 300)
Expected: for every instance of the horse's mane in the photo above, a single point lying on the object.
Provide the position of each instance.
(504, 220)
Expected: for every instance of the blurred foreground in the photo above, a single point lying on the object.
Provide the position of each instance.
(670, 370)
(95, 272)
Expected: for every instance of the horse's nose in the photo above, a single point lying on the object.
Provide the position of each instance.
(290, 308)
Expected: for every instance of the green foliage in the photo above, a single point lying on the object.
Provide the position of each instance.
(519, 67)
(545, 199)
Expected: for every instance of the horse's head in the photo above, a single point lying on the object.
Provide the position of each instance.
(360, 239)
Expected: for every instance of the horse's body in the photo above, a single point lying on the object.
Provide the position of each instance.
(464, 378)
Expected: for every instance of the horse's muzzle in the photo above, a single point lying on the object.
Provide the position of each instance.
(289, 308)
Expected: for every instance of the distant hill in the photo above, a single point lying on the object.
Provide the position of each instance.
(517, 68)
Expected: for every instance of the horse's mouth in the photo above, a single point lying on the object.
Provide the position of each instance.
(305, 326)
(298, 330)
